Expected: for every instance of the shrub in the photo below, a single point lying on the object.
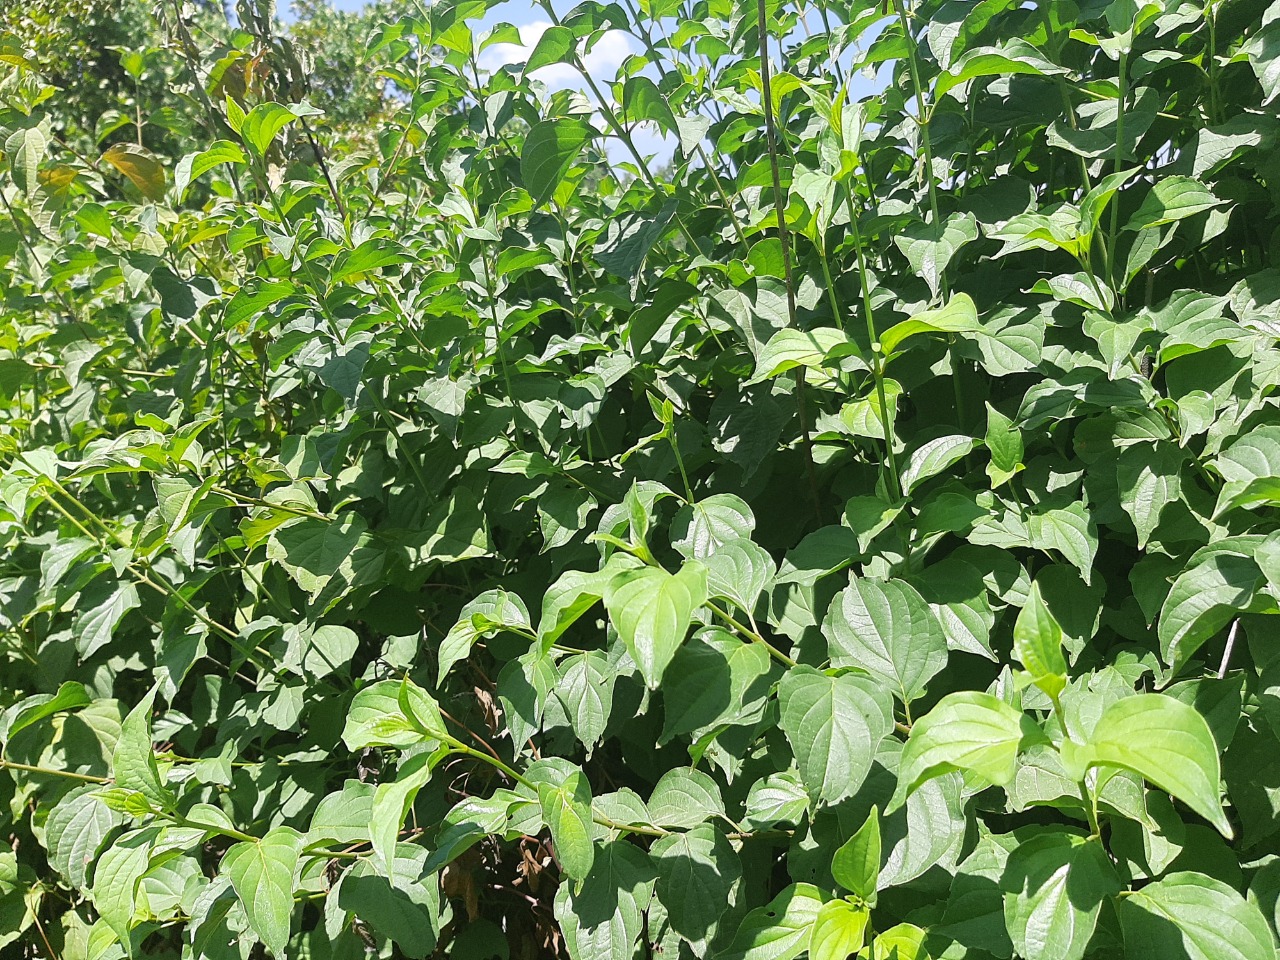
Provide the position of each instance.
(464, 536)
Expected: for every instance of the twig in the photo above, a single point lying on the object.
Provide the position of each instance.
(1231, 645)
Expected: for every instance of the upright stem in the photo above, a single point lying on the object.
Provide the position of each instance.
(922, 113)
(926, 143)
(877, 358)
(771, 138)
(724, 199)
(1119, 156)
(784, 238)
(497, 324)
(216, 123)
(1215, 104)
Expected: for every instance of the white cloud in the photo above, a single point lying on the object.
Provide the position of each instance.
(602, 62)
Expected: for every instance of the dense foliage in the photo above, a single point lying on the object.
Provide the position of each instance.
(431, 529)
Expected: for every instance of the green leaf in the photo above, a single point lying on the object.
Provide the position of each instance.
(253, 298)
(699, 529)
(485, 616)
(696, 873)
(1148, 479)
(374, 254)
(1193, 916)
(839, 930)
(115, 878)
(566, 807)
(75, 831)
(1070, 532)
(903, 941)
(886, 628)
(968, 731)
(856, 865)
(683, 798)
(929, 249)
(327, 560)
(1204, 598)
(16, 896)
(585, 690)
(605, 917)
(652, 609)
(195, 165)
(377, 716)
(1098, 198)
(71, 695)
(1166, 742)
(391, 805)
(788, 349)
(625, 246)
(778, 798)
(96, 625)
(406, 912)
(26, 148)
(834, 725)
(959, 315)
(1055, 884)
(262, 875)
(573, 594)
(133, 762)
(1014, 56)
(549, 150)
(778, 931)
(741, 571)
(642, 100)
(926, 831)
(932, 457)
(1170, 200)
(556, 45)
(714, 678)
(263, 124)
(1004, 442)
(1037, 643)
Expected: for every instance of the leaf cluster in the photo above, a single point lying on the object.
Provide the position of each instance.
(430, 527)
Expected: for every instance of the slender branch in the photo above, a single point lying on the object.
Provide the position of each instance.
(750, 634)
(47, 772)
(784, 238)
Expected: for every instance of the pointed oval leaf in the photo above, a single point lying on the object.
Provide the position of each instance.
(652, 609)
(378, 716)
(778, 931)
(834, 725)
(1166, 742)
(696, 873)
(262, 874)
(788, 349)
(549, 150)
(856, 865)
(967, 731)
(886, 628)
(1193, 916)
(959, 315)
(1055, 885)
(263, 124)
(1037, 643)
(566, 807)
(143, 170)
(133, 762)
(838, 931)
